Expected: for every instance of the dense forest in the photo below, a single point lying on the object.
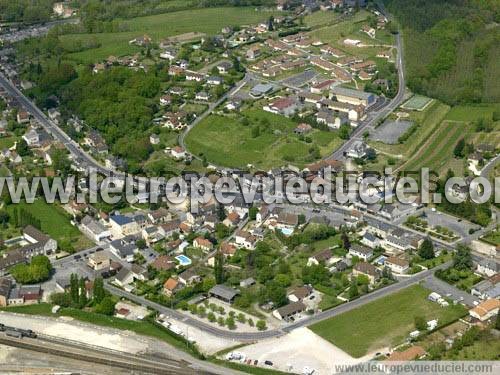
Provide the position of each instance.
(28, 11)
(452, 48)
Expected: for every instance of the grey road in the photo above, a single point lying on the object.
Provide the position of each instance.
(79, 156)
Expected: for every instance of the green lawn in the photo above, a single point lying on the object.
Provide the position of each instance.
(7, 142)
(384, 322)
(226, 141)
(471, 113)
(54, 222)
(207, 20)
(493, 237)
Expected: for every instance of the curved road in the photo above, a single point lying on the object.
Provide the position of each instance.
(254, 336)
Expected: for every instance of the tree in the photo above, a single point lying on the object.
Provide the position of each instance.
(353, 291)
(230, 323)
(345, 240)
(462, 260)
(261, 325)
(241, 318)
(211, 317)
(426, 250)
(73, 289)
(252, 213)
(38, 270)
(420, 323)
(106, 307)
(458, 151)
(221, 321)
(219, 267)
(497, 323)
(82, 301)
(99, 292)
(344, 131)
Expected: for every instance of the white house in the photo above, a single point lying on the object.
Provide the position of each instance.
(360, 251)
(397, 265)
(94, 229)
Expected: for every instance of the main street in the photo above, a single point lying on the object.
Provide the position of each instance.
(80, 157)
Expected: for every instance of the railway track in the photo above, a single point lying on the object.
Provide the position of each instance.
(110, 358)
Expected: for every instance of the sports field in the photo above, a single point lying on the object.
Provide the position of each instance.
(207, 20)
(417, 103)
(226, 141)
(384, 322)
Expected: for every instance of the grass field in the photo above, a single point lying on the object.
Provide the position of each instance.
(493, 237)
(208, 20)
(318, 19)
(471, 113)
(54, 222)
(384, 322)
(225, 141)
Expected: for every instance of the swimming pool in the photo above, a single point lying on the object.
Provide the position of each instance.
(286, 231)
(183, 260)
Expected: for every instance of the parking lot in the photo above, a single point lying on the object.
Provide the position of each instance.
(448, 291)
(459, 226)
(390, 131)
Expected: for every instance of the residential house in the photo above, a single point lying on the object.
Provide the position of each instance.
(245, 239)
(163, 263)
(38, 243)
(367, 269)
(203, 96)
(302, 129)
(488, 267)
(370, 240)
(360, 251)
(99, 261)
(300, 293)
(23, 117)
(189, 277)
(178, 152)
(123, 249)
(324, 256)
(227, 249)
(289, 312)
(170, 287)
(169, 228)
(32, 138)
(358, 150)
(159, 216)
(354, 97)
(231, 220)
(489, 288)
(203, 244)
(215, 80)
(94, 229)
(224, 67)
(165, 100)
(245, 283)
(122, 225)
(485, 310)
(397, 265)
(253, 52)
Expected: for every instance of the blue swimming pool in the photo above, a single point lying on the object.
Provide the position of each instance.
(183, 260)
(286, 231)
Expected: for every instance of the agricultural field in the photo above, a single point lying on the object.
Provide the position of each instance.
(226, 141)
(350, 28)
(384, 322)
(438, 153)
(208, 20)
(55, 222)
(321, 19)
